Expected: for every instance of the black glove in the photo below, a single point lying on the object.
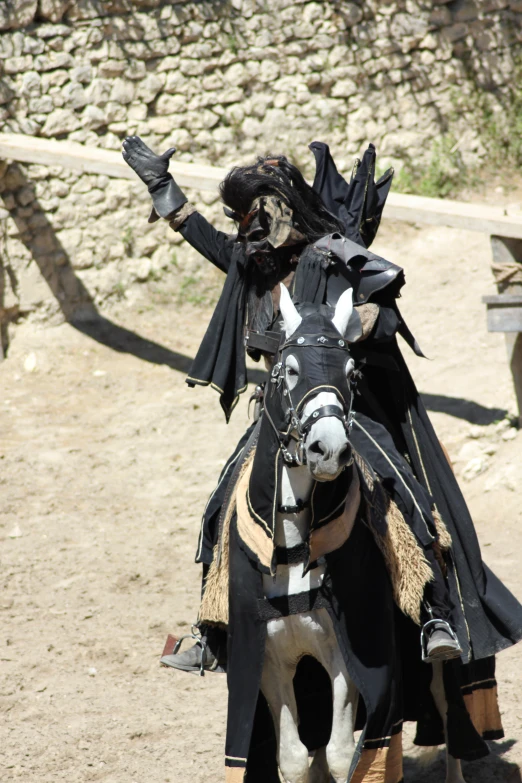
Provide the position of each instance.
(153, 170)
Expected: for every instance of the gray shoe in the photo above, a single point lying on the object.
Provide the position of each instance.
(439, 642)
(197, 659)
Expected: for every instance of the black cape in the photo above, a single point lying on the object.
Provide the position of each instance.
(220, 361)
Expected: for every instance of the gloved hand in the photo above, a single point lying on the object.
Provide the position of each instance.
(153, 170)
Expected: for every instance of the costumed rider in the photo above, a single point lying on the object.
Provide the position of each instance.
(315, 240)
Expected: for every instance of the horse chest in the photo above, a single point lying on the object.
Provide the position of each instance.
(289, 579)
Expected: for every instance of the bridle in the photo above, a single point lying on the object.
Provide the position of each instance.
(298, 430)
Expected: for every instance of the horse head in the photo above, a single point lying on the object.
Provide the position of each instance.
(311, 391)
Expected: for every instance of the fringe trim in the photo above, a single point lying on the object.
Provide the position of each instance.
(214, 604)
(407, 565)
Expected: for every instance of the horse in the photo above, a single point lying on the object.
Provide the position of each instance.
(312, 386)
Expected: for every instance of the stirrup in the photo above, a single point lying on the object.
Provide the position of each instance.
(424, 639)
(201, 643)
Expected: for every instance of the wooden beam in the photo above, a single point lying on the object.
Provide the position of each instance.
(504, 312)
(94, 160)
(489, 219)
(399, 206)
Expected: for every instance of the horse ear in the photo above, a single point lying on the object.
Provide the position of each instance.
(343, 311)
(291, 318)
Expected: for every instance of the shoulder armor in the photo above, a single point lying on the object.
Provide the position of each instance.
(366, 272)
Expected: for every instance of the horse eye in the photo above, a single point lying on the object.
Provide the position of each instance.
(291, 371)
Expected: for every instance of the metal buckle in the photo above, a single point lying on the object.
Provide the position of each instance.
(300, 453)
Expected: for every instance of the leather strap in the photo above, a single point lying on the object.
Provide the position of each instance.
(321, 413)
(267, 342)
(296, 509)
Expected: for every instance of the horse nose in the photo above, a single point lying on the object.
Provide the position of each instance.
(345, 455)
(318, 447)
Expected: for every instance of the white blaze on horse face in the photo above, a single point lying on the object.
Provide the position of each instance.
(327, 446)
(343, 311)
(291, 318)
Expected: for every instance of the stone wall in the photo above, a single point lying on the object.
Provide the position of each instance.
(222, 80)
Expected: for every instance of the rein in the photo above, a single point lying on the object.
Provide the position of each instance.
(302, 428)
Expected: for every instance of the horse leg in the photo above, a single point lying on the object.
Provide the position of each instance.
(319, 772)
(453, 765)
(278, 688)
(341, 747)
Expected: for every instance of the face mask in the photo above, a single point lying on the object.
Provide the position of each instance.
(267, 229)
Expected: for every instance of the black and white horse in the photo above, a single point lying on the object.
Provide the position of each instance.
(316, 448)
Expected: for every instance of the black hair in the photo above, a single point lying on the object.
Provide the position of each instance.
(274, 175)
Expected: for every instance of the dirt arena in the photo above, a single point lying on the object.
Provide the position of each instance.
(106, 460)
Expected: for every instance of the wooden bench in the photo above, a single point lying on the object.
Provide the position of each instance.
(503, 224)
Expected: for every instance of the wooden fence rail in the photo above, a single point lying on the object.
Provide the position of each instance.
(506, 222)
(503, 224)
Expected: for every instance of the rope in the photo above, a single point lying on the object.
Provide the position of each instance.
(507, 272)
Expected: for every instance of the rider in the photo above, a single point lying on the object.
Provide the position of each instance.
(315, 239)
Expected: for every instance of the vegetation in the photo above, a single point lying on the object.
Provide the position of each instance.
(444, 175)
(500, 132)
(127, 238)
(118, 290)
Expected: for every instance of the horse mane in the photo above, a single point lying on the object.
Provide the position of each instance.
(274, 175)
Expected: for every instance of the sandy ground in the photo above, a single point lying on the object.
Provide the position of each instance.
(106, 460)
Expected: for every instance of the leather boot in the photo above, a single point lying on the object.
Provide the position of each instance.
(204, 656)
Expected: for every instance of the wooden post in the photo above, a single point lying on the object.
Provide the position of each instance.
(507, 269)
(514, 349)
(4, 338)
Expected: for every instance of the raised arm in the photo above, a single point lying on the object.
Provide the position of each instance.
(170, 202)
(214, 245)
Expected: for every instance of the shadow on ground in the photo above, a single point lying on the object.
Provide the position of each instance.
(73, 297)
(463, 409)
(492, 769)
(123, 340)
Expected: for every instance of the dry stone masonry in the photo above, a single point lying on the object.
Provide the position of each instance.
(223, 80)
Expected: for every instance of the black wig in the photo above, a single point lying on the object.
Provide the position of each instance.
(274, 175)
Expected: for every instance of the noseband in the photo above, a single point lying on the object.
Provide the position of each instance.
(296, 426)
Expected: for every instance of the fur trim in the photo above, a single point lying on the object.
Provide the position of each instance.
(443, 534)
(443, 543)
(214, 604)
(368, 313)
(178, 218)
(407, 565)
